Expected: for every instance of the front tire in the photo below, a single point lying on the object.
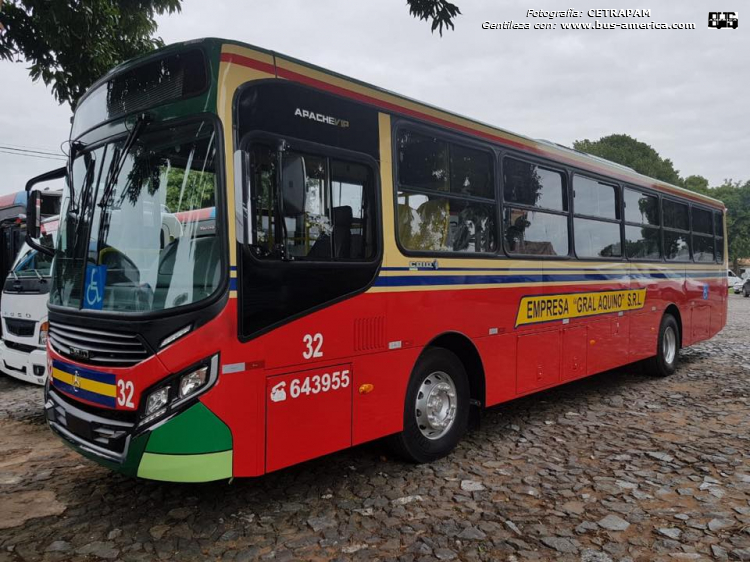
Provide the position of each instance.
(436, 409)
(745, 292)
(664, 362)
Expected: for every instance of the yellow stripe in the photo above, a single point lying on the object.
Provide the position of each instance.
(489, 271)
(86, 384)
(247, 52)
(500, 262)
(406, 103)
(400, 101)
(390, 249)
(231, 77)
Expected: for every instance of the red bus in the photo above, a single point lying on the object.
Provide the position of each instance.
(349, 265)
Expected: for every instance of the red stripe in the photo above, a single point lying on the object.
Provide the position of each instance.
(250, 63)
(283, 73)
(7, 200)
(319, 84)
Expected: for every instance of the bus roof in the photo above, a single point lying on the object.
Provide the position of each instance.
(285, 67)
(17, 199)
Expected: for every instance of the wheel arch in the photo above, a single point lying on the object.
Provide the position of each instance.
(675, 311)
(462, 346)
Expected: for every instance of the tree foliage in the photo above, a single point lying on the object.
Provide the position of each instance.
(198, 192)
(440, 12)
(628, 151)
(698, 184)
(71, 43)
(736, 197)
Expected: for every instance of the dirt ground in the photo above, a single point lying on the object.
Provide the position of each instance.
(616, 467)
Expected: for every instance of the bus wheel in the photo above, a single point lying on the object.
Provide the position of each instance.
(667, 348)
(436, 412)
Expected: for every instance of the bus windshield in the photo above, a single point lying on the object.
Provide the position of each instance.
(31, 263)
(132, 235)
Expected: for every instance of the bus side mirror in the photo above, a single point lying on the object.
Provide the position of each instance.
(34, 215)
(41, 205)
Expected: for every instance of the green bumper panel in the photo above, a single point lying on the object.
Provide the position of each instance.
(197, 430)
(195, 446)
(186, 468)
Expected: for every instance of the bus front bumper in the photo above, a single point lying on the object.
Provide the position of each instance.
(193, 445)
(28, 366)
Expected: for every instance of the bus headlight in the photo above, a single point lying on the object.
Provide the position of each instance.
(179, 389)
(157, 400)
(193, 381)
(43, 332)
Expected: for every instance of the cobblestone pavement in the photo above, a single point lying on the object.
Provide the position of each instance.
(615, 467)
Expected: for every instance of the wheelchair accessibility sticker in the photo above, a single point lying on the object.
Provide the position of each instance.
(96, 277)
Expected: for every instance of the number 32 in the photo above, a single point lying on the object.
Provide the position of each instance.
(314, 344)
(125, 390)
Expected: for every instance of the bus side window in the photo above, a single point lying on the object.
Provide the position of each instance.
(535, 216)
(446, 196)
(327, 207)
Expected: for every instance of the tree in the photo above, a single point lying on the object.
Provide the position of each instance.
(71, 43)
(736, 197)
(626, 150)
(699, 184)
(441, 12)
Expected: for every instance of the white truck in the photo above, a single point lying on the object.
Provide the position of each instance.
(23, 308)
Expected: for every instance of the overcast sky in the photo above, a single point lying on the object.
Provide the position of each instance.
(683, 92)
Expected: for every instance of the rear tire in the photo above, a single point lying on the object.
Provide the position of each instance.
(745, 292)
(436, 409)
(664, 362)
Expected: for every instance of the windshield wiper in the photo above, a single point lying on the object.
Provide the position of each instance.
(118, 160)
(75, 147)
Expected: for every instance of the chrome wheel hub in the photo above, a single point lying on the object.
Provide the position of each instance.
(436, 405)
(669, 345)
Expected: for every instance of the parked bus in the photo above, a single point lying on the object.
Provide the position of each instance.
(376, 268)
(23, 349)
(12, 228)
